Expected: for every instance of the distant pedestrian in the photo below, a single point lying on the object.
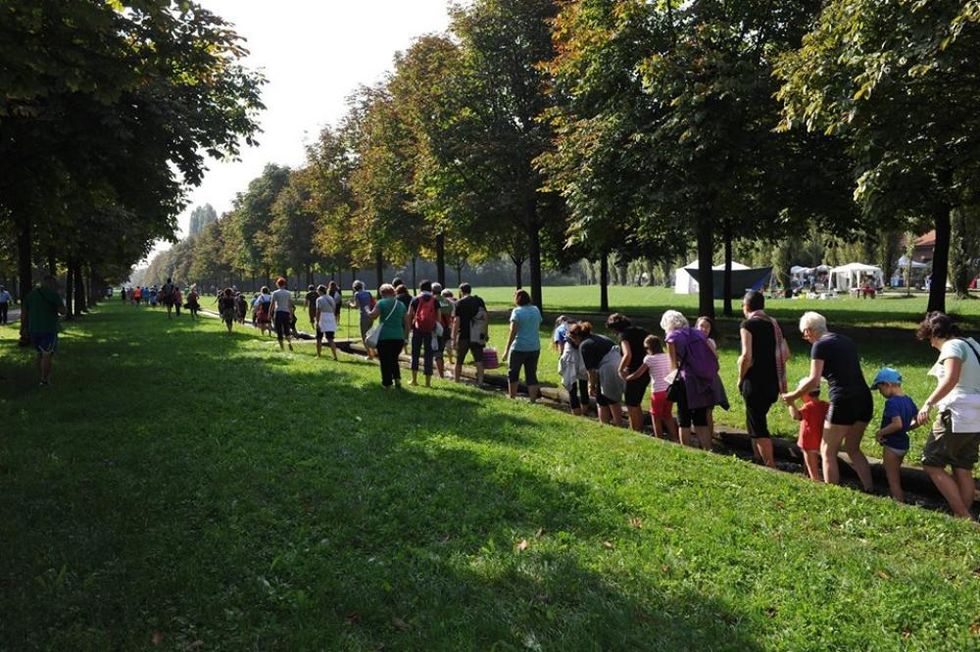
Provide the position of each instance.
(166, 296)
(282, 309)
(5, 301)
(954, 440)
(423, 315)
(523, 345)
(391, 339)
(631, 340)
(226, 308)
(40, 311)
(364, 302)
(447, 306)
(262, 309)
(241, 307)
(178, 300)
(193, 301)
(470, 332)
(310, 302)
(326, 320)
(333, 291)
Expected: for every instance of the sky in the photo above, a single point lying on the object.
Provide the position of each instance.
(314, 53)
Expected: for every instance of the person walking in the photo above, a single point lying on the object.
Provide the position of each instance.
(631, 339)
(423, 315)
(226, 308)
(835, 357)
(312, 295)
(178, 299)
(326, 320)
(445, 323)
(523, 345)
(470, 331)
(761, 371)
(364, 303)
(39, 311)
(391, 339)
(282, 308)
(693, 360)
(6, 300)
(602, 359)
(166, 296)
(263, 316)
(333, 291)
(954, 440)
(193, 301)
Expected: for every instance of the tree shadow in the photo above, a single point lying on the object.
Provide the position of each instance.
(240, 501)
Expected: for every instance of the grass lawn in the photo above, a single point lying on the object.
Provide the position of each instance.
(183, 487)
(883, 329)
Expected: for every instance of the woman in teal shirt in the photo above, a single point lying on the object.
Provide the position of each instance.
(523, 345)
(391, 341)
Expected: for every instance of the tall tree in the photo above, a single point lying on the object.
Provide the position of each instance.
(897, 80)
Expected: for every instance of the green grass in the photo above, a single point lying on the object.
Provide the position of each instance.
(202, 487)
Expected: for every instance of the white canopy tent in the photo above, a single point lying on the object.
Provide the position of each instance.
(684, 283)
(903, 262)
(849, 276)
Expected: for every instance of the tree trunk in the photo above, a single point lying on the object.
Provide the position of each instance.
(441, 259)
(604, 282)
(706, 282)
(459, 275)
(24, 271)
(379, 267)
(415, 281)
(80, 304)
(69, 290)
(309, 274)
(727, 305)
(940, 263)
(534, 238)
(519, 270)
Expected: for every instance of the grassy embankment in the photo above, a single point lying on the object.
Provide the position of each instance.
(180, 485)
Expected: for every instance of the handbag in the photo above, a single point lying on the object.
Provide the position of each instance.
(374, 334)
(677, 388)
(490, 359)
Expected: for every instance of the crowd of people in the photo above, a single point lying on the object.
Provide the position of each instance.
(672, 380)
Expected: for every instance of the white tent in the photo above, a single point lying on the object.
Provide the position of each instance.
(849, 276)
(684, 283)
(903, 262)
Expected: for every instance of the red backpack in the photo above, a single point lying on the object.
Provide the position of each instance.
(426, 314)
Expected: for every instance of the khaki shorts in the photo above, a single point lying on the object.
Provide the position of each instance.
(943, 448)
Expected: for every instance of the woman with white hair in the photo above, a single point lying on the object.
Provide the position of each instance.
(692, 358)
(835, 358)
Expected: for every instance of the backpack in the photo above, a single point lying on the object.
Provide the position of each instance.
(427, 314)
(700, 360)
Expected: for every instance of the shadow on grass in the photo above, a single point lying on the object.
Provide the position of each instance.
(183, 481)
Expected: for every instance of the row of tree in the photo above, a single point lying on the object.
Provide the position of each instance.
(553, 131)
(108, 112)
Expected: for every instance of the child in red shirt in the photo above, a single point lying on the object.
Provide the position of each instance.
(811, 417)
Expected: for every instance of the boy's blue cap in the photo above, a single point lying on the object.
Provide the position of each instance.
(887, 375)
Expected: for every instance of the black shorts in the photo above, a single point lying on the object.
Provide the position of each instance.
(686, 417)
(320, 335)
(851, 409)
(476, 350)
(756, 415)
(636, 391)
(282, 323)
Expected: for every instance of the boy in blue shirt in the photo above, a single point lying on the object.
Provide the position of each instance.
(898, 417)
